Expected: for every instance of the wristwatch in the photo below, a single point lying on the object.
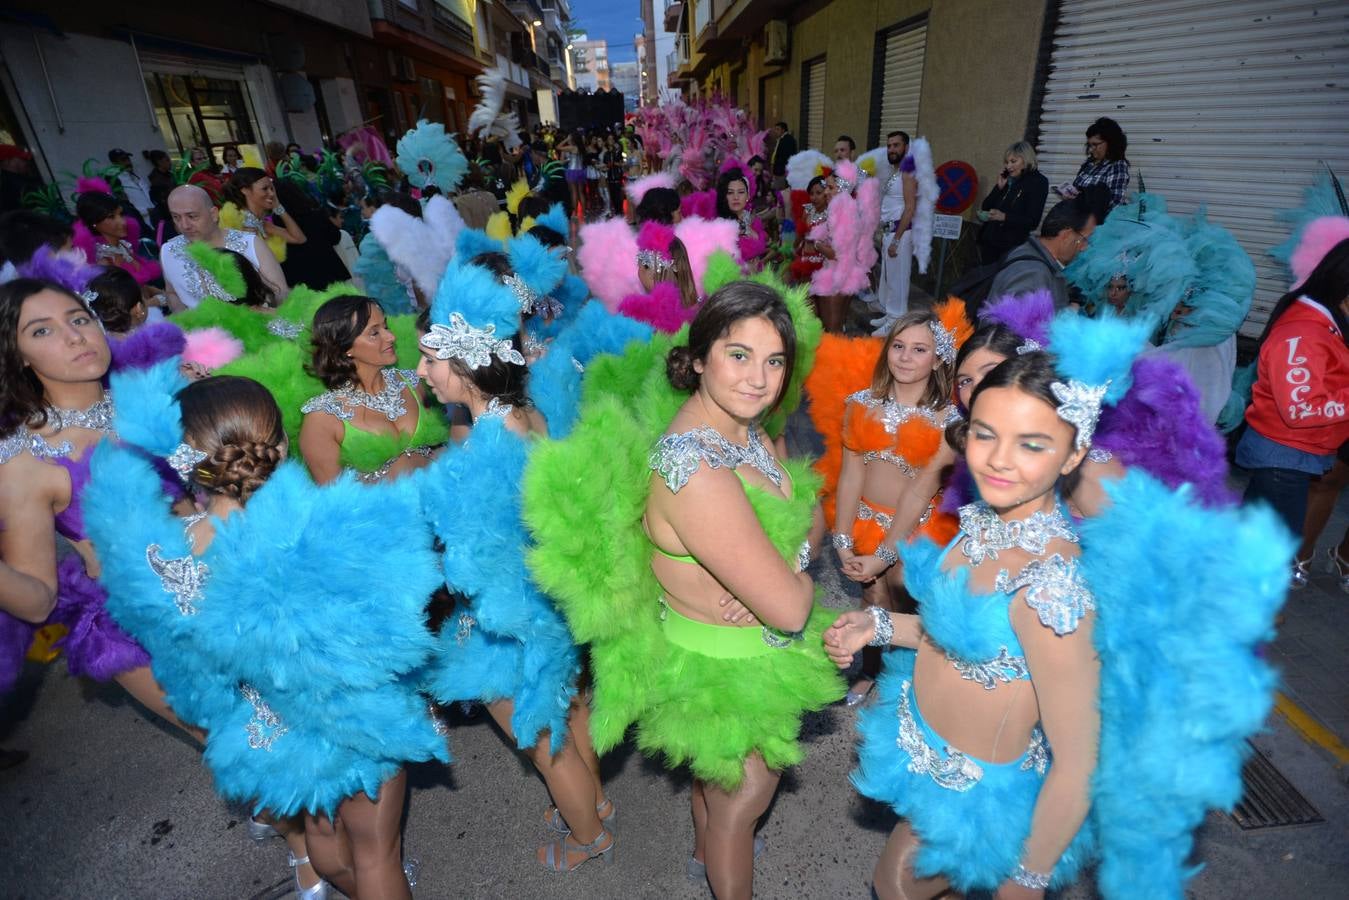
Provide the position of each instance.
(278, 210)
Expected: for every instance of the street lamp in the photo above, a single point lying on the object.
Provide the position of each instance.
(538, 23)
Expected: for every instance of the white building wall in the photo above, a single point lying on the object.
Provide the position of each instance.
(99, 99)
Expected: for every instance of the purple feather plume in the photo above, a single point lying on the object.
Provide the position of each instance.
(1028, 315)
(15, 636)
(95, 646)
(1160, 427)
(147, 345)
(71, 274)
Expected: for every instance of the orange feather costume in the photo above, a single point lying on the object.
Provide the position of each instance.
(847, 415)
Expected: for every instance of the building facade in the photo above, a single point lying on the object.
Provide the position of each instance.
(591, 62)
(627, 80)
(1192, 85)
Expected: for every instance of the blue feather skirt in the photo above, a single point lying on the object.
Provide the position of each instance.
(973, 832)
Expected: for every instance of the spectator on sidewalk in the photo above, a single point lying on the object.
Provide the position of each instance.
(1105, 164)
(1013, 208)
(1037, 265)
(134, 186)
(784, 148)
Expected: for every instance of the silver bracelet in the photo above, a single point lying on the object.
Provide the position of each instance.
(841, 541)
(885, 627)
(803, 556)
(1036, 881)
(887, 554)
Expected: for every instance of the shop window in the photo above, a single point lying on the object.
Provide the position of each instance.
(197, 111)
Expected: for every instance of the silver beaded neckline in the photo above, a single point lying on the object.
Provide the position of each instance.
(96, 418)
(985, 534)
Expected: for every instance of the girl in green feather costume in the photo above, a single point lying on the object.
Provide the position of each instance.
(682, 565)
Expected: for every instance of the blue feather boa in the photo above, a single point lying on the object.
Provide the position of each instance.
(327, 624)
(514, 643)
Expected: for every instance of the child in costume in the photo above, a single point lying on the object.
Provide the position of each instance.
(809, 209)
(506, 646)
(884, 453)
(693, 498)
(298, 719)
(669, 298)
(371, 419)
(854, 212)
(1014, 789)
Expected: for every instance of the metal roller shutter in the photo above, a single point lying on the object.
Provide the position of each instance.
(812, 102)
(1226, 105)
(902, 78)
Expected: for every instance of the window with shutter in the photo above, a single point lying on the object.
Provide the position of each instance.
(898, 79)
(812, 102)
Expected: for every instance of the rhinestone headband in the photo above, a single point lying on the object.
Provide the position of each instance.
(1080, 406)
(944, 340)
(653, 259)
(525, 295)
(475, 346)
(1030, 346)
(184, 459)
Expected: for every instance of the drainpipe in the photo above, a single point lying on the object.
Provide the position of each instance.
(47, 78)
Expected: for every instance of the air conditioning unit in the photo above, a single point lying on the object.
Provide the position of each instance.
(777, 42)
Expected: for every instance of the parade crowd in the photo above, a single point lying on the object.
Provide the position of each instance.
(305, 450)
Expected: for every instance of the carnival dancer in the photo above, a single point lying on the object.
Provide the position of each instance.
(55, 410)
(296, 720)
(1034, 722)
(848, 229)
(109, 238)
(669, 297)
(809, 208)
(251, 205)
(371, 418)
(1158, 425)
(884, 454)
(735, 186)
(507, 646)
(639, 561)
(908, 198)
(197, 219)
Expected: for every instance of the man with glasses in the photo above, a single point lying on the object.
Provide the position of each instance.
(1037, 265)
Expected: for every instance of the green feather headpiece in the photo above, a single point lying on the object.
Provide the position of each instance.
(222, 267)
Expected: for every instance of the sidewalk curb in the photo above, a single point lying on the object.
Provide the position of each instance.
(1312, 731)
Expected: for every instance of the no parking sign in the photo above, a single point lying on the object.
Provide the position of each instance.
(958, 183)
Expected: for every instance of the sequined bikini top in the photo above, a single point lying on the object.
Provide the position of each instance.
(677, 456)
(906, 437)
(975, 629)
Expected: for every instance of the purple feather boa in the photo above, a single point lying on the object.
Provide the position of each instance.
(72, 275)
(95, 646)
(146, 346)
(1160, 427)
(1028, 315)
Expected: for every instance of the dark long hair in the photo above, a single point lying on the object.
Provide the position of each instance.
(116, 294)
(94, 206)
(500, 378)
(337, 324)
(245, 177)
(258, 294)
(21, 401)
(1108, 130)
(1327, 286)
(733, 303)
(995, 337)
(237, 424)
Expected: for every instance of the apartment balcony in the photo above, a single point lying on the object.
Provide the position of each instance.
(738, 19)
(673, 10)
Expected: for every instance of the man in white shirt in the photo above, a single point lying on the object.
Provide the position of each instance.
(136, 188)
(197, 219)
(899, 200)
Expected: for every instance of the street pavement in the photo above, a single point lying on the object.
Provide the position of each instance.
(113, 804)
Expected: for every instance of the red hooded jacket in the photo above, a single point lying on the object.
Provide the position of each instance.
(1301, 393)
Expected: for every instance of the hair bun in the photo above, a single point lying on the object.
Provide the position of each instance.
(679, 369)
(238, 470)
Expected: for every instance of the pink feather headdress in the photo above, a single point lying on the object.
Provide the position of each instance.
(653, 246)
(1318, 238)
(637, 189)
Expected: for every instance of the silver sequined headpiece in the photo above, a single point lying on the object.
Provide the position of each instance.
(475, 346)
(654, 260)
(1080, 406)
(945, 341)
(1031, 345)
(184, 459)
(525, 295)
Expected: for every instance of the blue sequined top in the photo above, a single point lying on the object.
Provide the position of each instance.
(975, 629)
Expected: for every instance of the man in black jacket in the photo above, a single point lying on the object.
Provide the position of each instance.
(784, 148)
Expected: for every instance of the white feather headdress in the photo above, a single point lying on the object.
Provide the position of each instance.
(487, 119)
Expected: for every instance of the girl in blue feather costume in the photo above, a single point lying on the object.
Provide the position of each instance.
(294, 645)
(507, 646)
(1138, 636)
